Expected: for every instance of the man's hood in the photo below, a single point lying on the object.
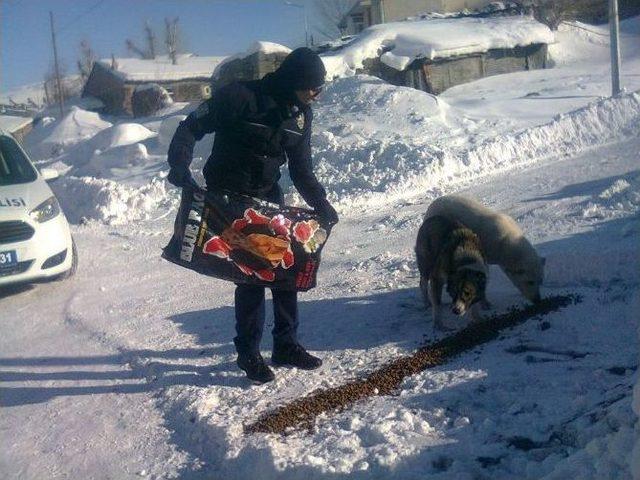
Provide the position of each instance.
(302, 69)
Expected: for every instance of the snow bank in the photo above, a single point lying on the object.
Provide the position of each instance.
(369, 108)
(371, 172)
(107, 201)
(120, 135)
(117, 146)
(76, 126)
(168, 128)
(105, 164)
(622, 197)
(596, 124)
(403, 42)
(601, 446)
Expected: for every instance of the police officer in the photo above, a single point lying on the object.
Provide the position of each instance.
(260, 125)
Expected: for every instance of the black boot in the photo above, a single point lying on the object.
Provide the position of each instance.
(257, 371)
(295, 356)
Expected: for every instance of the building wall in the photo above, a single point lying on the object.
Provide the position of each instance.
(400, 9)
(108, 87)
(253, 67)
(373, 12)
(438, 75)
(180, 91)
(116, 94)
(190, 91)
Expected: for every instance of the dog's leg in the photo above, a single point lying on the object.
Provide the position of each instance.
(435, 296)
(424, 287)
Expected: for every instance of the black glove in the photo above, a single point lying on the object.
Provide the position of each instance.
(327, 212)
(181, 177)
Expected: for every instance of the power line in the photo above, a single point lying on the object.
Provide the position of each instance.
(79, 16)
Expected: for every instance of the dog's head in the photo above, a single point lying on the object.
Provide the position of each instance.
(528, 277)
(466, 287)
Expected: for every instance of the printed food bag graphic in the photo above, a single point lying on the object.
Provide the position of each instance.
(246, 240)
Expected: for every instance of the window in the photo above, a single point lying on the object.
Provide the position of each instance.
(15, 167)
(358, 22)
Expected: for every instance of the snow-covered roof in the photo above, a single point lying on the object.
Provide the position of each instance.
(161, 68)
(12, 123)
(406, 41)
(264, 47)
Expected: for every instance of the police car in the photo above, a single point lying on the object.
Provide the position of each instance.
(35, 240)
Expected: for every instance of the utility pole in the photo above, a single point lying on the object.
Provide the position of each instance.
(615, 47)
(306, 27)
(302, 6)
(55, 59)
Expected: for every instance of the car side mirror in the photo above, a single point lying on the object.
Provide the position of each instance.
(49, 174)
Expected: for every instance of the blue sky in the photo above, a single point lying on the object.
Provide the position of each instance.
(209, 27)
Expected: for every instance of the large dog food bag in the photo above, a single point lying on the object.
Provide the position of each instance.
(246, 240)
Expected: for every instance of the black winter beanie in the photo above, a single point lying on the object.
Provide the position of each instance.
(302, 69)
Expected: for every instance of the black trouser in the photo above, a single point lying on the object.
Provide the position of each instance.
(250, 313)
(249, 299)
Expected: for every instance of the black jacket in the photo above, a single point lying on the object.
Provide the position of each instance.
(257, 130)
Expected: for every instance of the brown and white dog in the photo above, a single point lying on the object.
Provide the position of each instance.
(449, 253)
(503, 242)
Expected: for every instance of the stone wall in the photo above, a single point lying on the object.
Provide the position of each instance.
(435, 76)
(253, 67)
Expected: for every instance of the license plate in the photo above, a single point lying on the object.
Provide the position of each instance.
(8, 258)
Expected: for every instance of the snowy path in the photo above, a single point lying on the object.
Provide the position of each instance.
(72, 392)
(128, 370)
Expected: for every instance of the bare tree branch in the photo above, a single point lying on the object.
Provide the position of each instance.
(132, 47)
(172, 38)
(86, 60)
(151, 40)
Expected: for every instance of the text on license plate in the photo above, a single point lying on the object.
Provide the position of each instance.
(8, 258)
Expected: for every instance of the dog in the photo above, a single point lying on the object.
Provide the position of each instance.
(449, 253)
(503, 242)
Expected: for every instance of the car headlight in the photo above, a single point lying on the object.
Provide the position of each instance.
(47, 210)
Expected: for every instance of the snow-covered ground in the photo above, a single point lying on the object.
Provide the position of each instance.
(127, 369)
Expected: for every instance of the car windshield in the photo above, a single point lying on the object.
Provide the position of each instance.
(15, 167)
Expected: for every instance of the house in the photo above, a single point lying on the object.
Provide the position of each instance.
(438, 53)
(113, 81)
(253, 64)
(438, 74)
(373, 12)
